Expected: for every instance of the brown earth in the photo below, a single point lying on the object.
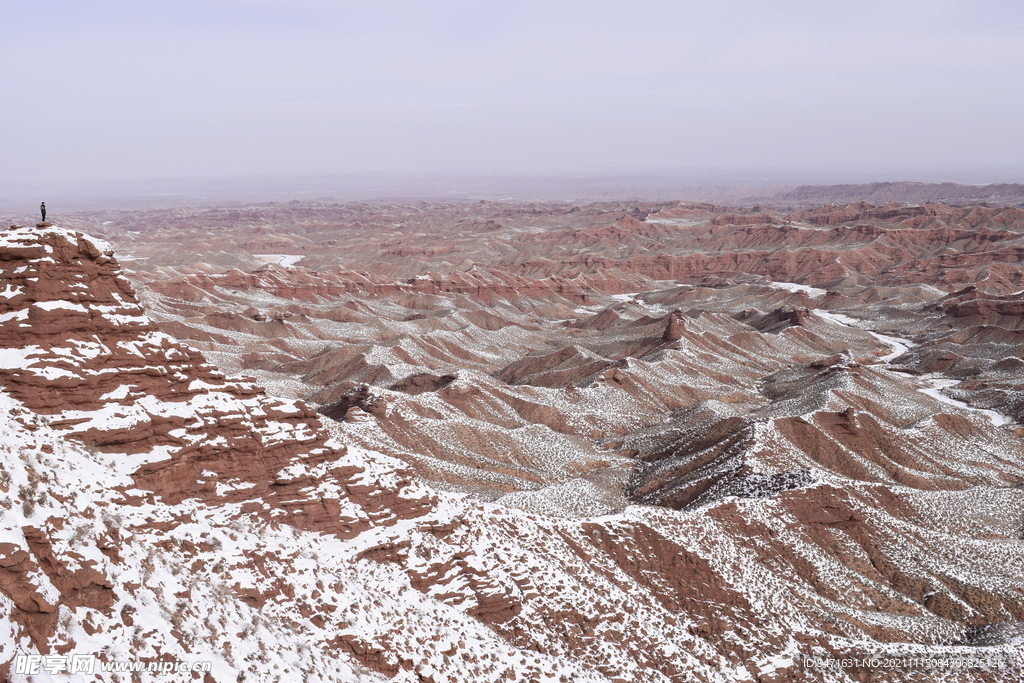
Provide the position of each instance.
(570, 361)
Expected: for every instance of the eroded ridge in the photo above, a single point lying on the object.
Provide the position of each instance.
(244, 536)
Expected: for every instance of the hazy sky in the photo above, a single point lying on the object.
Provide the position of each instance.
(98, 90)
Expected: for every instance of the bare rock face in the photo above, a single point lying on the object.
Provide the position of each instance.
(804, 488)
(79, 351)
(80, 360)
(422, 383)
(674, 330)
(518, 299)
(358, 397)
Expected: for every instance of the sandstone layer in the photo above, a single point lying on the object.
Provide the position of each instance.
(712, 478)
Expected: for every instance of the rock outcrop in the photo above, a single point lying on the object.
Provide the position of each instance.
(808, 492)
(78, 351)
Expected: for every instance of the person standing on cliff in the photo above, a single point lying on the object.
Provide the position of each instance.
(42, 210)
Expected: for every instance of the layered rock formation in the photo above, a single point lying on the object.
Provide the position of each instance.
(544, 315)
(78, 351)
(807, 491)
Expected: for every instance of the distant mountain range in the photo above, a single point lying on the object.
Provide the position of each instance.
(883, 193)
(740, 191)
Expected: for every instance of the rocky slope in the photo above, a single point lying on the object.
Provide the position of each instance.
(503, 348)
(806, 489)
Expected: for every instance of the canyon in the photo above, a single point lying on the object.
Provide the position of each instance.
(516, 441)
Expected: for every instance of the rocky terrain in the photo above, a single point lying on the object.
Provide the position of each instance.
(502, 348)
(614, 442)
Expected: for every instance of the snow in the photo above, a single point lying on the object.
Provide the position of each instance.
(15, 238)
(117, 394)
(10, 291)
(283, 260)
(182, 567)
(899, 346)
(813, 292)
(121, 320)
(936, 382)
(935, 391)
(61, 305)
(14, 358)
(492, 551)
(14, 315)
(837, 317)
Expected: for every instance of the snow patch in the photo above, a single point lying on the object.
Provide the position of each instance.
(283, 260)
(66, 305)
(813, 292)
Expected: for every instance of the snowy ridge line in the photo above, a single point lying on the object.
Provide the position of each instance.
(900, 347)
(15, 238)
(326, 562)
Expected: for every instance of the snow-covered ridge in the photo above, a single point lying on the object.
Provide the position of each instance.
(935, 384)
(14, 238)
(152, 507)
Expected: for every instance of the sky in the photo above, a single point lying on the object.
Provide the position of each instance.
(111, 90)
